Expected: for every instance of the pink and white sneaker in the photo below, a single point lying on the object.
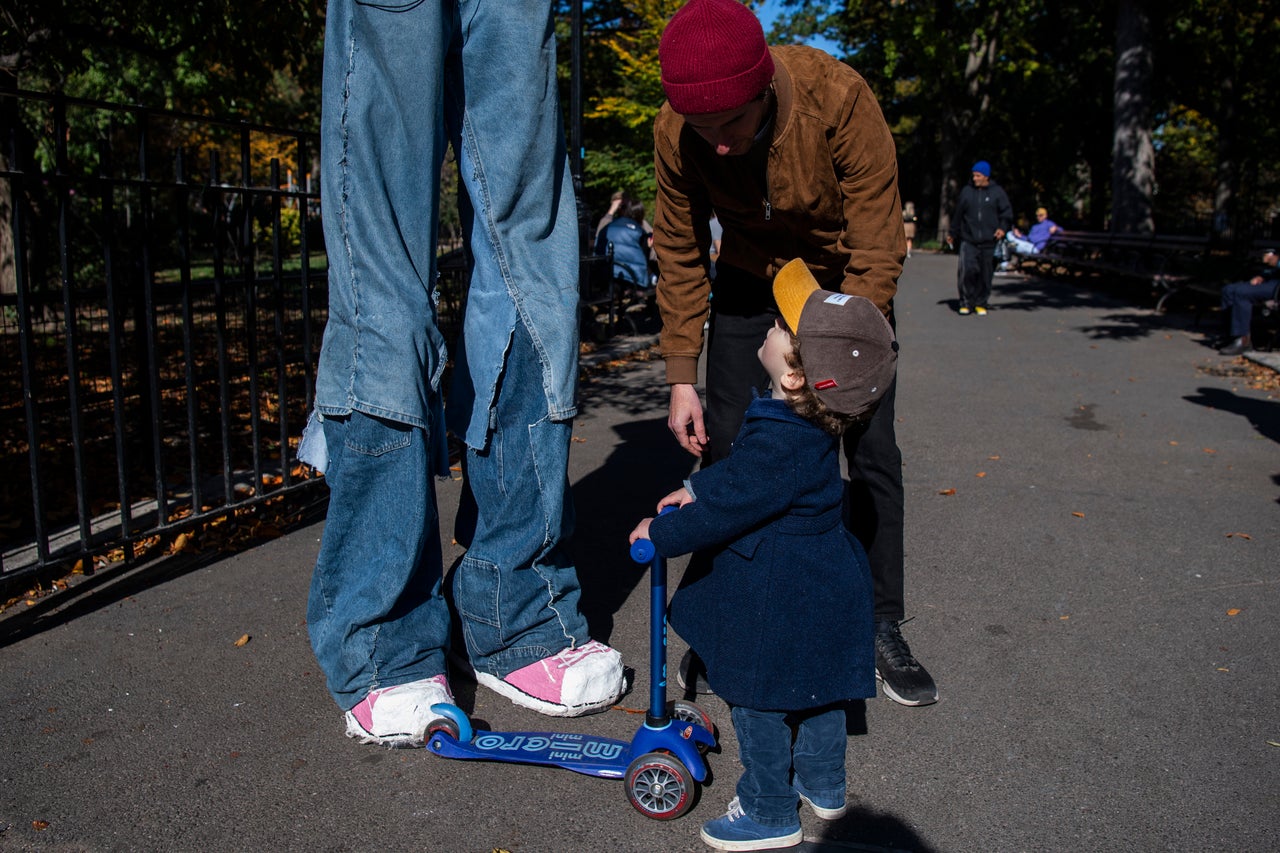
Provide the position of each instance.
(570, 684)
(398, 716)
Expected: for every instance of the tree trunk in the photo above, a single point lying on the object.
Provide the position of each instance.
(1227, 174)
(8, 124)
(949, 186)
(1132, 153)
(960, 124)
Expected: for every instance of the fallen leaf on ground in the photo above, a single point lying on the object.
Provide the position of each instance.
(1235, 611)
(947, 492)
(982, 473)
(39, 825)
(244, 638)
(1173, 444)
(1209, 450)
(994, 458)
(579, 440)
(1241, 535)
(183, 542)
(1078, 514)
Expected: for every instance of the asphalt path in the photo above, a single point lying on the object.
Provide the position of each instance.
(1093, 510)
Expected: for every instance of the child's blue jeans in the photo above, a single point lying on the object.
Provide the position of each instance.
(768, 757)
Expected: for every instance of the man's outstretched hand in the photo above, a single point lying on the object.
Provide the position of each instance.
(684, 419)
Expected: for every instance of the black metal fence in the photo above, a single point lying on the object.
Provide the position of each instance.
(162, 297)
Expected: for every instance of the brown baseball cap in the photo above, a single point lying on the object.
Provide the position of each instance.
(849, 351)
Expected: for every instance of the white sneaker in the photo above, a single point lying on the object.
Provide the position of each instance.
(569, 684)
(398, 716)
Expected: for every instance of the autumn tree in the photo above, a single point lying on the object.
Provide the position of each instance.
(626, 97)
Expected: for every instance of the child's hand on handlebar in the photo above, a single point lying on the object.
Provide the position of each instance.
(641, 531)
(677, 499)
(671, 502)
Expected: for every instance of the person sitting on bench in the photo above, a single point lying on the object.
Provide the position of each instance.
(1238, 299)
(1033, 242)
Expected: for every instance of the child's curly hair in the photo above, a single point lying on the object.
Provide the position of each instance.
(806, 404)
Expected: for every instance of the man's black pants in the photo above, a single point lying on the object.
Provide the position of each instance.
(977, 266)
(742, 310)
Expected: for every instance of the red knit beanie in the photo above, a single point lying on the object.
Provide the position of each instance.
(713, 57)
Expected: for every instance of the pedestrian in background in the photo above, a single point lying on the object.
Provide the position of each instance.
(982, 217)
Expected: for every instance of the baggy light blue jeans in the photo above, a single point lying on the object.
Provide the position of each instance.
(401, 81)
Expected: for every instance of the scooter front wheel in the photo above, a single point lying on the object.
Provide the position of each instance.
(445, 725)
(660, 786)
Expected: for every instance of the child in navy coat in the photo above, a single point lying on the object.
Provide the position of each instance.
(783, 617)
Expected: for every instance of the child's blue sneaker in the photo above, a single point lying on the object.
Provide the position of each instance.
(828, 806)
(736, 831)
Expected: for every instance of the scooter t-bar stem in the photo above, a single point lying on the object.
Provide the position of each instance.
(643, 551)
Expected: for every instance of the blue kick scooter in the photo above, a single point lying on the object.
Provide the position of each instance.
(661, 766)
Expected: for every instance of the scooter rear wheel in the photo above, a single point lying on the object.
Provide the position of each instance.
(689, 712)
(660, 786)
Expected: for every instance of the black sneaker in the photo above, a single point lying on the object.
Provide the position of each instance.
(691, 675)
(905, 680)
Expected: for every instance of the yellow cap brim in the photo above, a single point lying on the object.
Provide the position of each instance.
(791, 288)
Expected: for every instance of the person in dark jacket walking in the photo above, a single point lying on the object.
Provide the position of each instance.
(982, 217)
(783, 618)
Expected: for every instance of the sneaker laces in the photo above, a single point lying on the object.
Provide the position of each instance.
(735, 810)
(569, 657)
(894, 648)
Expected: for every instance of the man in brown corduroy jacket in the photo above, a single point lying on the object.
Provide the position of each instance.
(788, 147)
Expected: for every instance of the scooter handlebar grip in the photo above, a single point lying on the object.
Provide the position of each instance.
(642, 550)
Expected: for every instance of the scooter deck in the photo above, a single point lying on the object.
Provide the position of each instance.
(586, 754)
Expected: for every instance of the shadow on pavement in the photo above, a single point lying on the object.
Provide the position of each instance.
(1263, 415)
(610, 501)
(865, 830)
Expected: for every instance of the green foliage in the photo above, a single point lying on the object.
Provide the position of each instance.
(1185, 152)
(259, 61)
(1029, 86)
(1026, 84)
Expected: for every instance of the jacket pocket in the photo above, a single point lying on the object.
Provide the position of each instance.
(746, 546)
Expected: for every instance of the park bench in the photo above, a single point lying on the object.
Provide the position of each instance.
(606, 305)
(1205, 292)
(1165, 264)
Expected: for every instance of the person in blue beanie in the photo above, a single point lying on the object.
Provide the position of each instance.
(982, 217)
(782, 619)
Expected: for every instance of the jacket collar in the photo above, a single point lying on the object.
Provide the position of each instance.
(771, 408)
(784, 91)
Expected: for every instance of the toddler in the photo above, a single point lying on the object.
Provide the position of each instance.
(782, 618)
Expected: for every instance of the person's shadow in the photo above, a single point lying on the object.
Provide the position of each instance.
(610, 501)
(1263, 415)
